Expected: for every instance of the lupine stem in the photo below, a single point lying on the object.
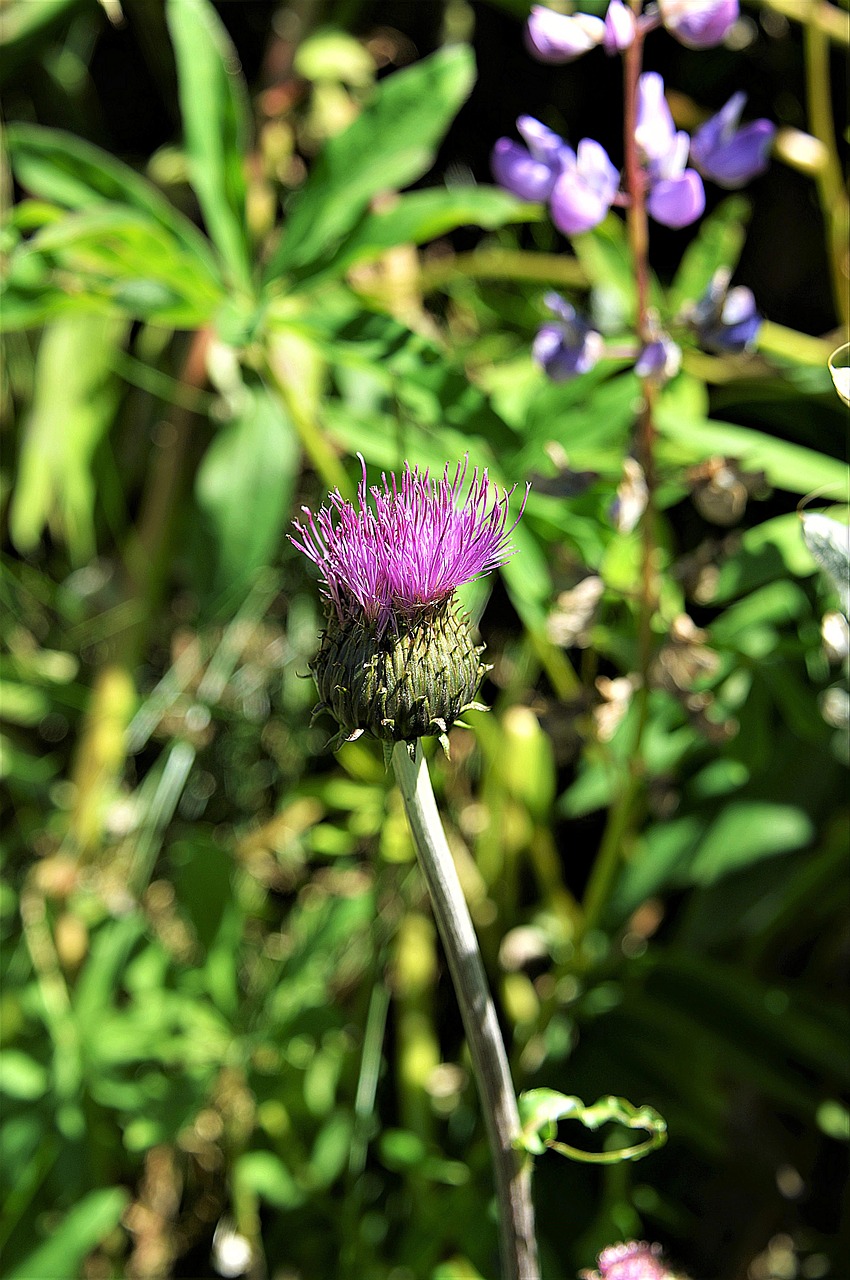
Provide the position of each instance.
(511, 1172)
(621, 814)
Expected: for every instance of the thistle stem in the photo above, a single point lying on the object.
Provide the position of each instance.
(512, 1173)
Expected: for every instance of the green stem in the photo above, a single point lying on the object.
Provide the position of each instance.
(831, 190)
(512, 1174)
(621, 815)
(313, 440)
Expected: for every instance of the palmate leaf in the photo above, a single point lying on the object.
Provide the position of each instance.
(214, 107)
(389, 145)
(61, 168)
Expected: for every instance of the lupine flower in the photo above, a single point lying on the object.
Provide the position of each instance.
(585, 190)
(635, 1260)
(660, 360)
(397, 658)
(619, 27)
(557, 38)
(530, 172)
(567, 347)
(699, 24)
(728, 155)
(726, 321)
(676, 196)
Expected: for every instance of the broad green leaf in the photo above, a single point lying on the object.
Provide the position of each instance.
(829, 542)
(21, 1076)
(420, 216)
(769, 550)
(23, 25)
(389, 145)
(74, 402)
(122, 257)
(244, 487)
(718, 243)
(264, 1174)
(60, 167)
(787, 466)
(213, 104)
(747, 831)
(80, 1231)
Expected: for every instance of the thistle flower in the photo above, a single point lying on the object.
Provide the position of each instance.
(397, 658)
(635, 1260)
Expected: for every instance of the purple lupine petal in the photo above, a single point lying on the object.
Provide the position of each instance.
(619, 27)
(557, 38)
(543, 143)
(655, 132)
(729, 155)
(677, 202)
(583, 194)
(568, 348)
(405, 546)
(659, 360)
(515, 169)
(726, 321)
(699, 24)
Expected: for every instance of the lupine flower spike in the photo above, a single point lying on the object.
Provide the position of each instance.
(397, 658)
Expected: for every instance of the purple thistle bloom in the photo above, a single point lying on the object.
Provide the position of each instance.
(411, 547)
(635, 1260)
(619, 27)
(585, 190)
(569, 347)
(530, 172)
(728, 155)
(397, 658)
(699, 24)
(726, 321)
(558, 38)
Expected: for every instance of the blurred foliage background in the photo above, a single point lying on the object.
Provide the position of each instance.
(230, 1046)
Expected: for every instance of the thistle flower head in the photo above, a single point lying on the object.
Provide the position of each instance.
(411, 547)
(634, 1260)
(397, 658)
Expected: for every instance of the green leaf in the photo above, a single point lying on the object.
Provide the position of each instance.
(787, 466)
(747, 831)
(213, 104)
(244, 487)
(265, 1175)
(80, 1231)
(21, 1076)
(541, 1109)
(389, 145)
(718, 243)
(829, 542)
(421, 216)
(73, 405)
(769, 550)
(62, 168)
(122, 257)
